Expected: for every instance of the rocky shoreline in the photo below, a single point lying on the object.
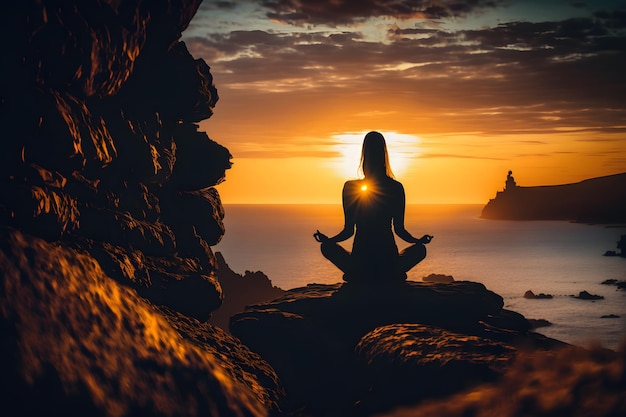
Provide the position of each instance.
(109, 284)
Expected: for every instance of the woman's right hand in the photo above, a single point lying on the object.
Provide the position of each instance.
(320, 237)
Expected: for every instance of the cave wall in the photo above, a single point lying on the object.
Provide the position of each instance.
(99, 105)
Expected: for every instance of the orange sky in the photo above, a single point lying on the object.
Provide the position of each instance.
(462, 96)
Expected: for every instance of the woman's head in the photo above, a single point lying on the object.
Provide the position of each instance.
(374, 156)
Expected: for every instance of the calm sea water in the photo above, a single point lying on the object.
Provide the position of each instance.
(509, 257)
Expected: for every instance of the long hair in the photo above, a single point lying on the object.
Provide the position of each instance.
(374, 156)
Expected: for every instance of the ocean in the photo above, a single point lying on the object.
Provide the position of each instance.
(508, 257)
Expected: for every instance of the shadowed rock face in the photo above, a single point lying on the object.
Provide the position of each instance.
(571, 382)
(107, 215)
(408, 361)
(74, 342)
(240, 291)
(100, 151)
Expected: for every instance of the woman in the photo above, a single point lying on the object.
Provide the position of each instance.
(372, 205)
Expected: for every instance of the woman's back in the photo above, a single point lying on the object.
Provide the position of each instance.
(371, 205)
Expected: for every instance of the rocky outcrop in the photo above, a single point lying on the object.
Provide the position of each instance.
(240, 291)
(567, 382)
(107, 216)
(98, 103)
(586, 295)
(75, 342)
(108, 212)
(596, 200)
(441, 278)
(621, 285)
(340, 335)
(404, 359)
(541, 296)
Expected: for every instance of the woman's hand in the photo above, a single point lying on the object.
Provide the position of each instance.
(320, 237)
(425, 239)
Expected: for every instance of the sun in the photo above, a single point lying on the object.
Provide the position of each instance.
(403, 150)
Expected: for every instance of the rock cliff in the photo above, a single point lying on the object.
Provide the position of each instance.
(596, 200)
(99, 102)
(107, 216)
(74, 342)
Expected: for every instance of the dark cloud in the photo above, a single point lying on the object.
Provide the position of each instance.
(332, 12)
(615, 19)
(219, 5)
(517, 77)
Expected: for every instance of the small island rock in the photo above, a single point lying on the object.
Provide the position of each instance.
(585, 295)
(441, 278)
(531, 295)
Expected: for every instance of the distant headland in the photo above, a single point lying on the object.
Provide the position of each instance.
(595, 200)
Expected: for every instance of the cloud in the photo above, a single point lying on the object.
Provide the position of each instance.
(332, 12)
(518, 77)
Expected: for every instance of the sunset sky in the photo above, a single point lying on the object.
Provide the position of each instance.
(462, 91)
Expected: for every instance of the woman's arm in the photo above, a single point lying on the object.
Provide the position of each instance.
(398, 221)
(348, 216)
(347, 200)
(398, 217)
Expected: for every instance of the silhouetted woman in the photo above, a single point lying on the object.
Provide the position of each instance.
(373, 205)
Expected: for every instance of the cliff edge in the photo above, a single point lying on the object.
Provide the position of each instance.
(596, 200)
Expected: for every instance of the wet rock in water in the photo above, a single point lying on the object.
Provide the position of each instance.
(441, 278)
(584, 295)
(610, 316)
(541, 296)
(619, 284)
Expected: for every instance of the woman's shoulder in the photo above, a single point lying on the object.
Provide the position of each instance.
(394, 184)
(353, 184)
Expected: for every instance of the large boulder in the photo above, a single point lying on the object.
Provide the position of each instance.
(310, 335)
(75, 342)
(410, 362)
(570, 381)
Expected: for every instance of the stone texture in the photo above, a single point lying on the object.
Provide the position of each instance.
(410, 362)
(98, 105)
(74, 342)
(571, 382)
(314, 331)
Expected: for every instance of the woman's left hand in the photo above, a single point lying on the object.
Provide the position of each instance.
(320, 237)
(425, 239)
